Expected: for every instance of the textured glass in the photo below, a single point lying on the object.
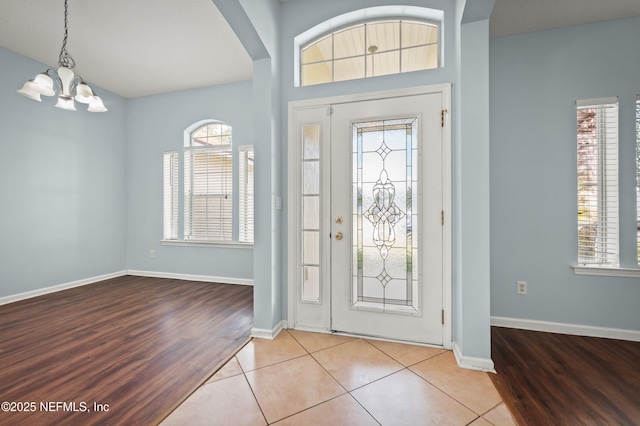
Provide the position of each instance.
(311, 142)
(311, 283)
(311, 177)
(311, 212)
(385, 268)
(311, 248)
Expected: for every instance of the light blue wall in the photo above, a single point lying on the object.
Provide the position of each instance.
(471, 187)
(62, 186)
(156, 124)
(256, 24)
(469, 287)
(535, 80)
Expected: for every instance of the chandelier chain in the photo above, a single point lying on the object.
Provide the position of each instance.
(65, 59)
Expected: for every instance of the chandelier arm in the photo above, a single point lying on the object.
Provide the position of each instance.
(65, 59)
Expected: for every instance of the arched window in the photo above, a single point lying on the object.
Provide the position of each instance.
(208, 197)
(369, 49)
(208, 184)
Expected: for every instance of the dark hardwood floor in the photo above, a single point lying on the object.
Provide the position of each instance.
(556, 379)
(139, 345)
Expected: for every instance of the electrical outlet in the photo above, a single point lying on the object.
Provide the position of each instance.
(152, 253)
(521, 287)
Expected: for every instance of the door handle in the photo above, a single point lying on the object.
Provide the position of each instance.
(339, 236)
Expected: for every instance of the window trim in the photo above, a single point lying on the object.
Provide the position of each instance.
(604, 271)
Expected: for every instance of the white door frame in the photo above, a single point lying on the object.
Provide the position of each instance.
(294, 199)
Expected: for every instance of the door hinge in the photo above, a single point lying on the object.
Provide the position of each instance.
(329, 110)
(442, 112)
(443, 317)
(442, 217)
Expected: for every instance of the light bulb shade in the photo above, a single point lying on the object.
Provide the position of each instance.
(83, 93)
(43, 84)
(66, 102)
(66, 77)
(27, 90)
(96, 105)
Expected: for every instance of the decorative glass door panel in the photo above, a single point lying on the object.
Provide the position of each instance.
(385, 218)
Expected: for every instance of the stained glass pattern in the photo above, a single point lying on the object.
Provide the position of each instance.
(385, 178)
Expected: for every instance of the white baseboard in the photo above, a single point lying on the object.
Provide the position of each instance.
(42, 291)
(265, 333)
(472, 363)
(189, 277)
(560, 328)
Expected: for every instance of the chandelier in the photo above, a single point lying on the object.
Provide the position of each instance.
(64, 82)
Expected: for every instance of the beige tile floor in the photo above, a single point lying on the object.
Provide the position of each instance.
(303, 378)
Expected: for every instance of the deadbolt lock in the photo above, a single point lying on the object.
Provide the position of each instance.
(339, 220)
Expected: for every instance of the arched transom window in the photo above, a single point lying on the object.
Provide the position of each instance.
(370, 49)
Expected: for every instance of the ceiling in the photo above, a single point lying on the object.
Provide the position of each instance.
(130, 47)
(143, 47)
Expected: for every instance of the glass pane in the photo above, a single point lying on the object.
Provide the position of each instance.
(384, 214)
(318, 52)
(348, 69)
(416, 34)
(311, 283)
(383, 64)
(311, 177)
(349, 42)
(420, 58)
(383, 36)
(316, 73)
(311, 212)
(311, 248)
(311, 142)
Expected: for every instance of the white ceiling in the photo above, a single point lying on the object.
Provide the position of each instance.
(144, 47)
(130, 47)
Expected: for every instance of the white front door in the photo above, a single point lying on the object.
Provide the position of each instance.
(368, 189)
(386, 218)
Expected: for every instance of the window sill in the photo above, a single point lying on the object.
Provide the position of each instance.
(606, 271)
(206, 244)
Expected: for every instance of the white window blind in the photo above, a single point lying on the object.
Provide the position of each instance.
(208, 194)
(597, 131)
(245, 196)
(170, 186)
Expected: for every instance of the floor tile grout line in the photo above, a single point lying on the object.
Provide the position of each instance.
(309, 408)
(255, 398)
(398, 361)
(449, 395)
(328, 334)
(364, 408)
